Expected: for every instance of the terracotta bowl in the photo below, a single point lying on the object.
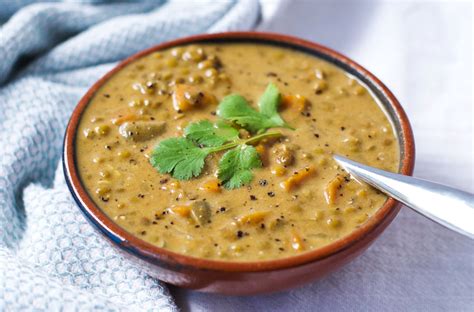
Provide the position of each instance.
(245, 277)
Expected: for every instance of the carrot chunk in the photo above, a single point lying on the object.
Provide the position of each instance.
(296, 241)
(182, 211)
(120, 120)
(278, 170)
(211, 186)
(297, 178)
(295, 101)
(253, 217)
(332, 188)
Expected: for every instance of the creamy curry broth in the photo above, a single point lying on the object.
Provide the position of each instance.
(331, 111)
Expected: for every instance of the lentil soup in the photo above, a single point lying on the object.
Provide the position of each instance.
(294, 199)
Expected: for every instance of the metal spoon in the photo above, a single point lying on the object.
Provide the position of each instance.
(445, 205)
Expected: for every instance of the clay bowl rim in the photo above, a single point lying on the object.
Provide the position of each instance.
(163, 257)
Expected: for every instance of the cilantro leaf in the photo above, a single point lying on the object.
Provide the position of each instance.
(268, 105)
(236, 109)
(235, 166)
(208, 134)
(180, 157)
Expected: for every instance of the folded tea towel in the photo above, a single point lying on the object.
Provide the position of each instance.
(50, 257)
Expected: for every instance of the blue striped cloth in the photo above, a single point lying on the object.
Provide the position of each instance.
(51, 53)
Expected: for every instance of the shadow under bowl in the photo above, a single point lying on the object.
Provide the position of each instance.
(242, 278)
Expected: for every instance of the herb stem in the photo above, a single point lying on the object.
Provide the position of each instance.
(246, 141)
(262, 136)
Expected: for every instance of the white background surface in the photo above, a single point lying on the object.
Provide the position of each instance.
(423, 52)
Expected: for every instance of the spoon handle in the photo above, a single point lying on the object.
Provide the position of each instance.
(445, 205)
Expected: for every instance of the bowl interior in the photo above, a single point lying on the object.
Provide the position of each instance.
(168, 258)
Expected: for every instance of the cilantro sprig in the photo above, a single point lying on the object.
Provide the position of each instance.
(184, 157)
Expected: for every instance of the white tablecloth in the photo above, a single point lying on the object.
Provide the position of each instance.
(423, 52)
